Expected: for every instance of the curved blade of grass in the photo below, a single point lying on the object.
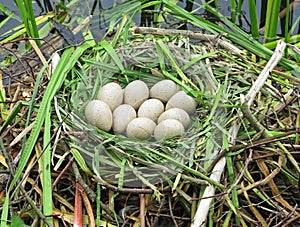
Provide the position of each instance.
(67, 61)
(110, 50)
(80, 160)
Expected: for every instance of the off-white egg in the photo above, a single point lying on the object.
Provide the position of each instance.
(177, 114)
(168, 128)
(135, 93)
(99, 114)
(151, 108)
(140, 128)
(122, 115)
(112, 94)
(164, 90)
(182, 101)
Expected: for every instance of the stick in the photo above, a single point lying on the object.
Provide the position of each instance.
(277, 55)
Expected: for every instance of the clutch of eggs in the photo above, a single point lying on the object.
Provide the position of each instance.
(142, 113)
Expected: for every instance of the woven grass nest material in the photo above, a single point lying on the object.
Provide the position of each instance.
(116, 158)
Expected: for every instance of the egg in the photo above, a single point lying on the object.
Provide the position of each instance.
(122, 115)
(99, 114)
(168, 128)
(177, 114)
(135, 93)
(164, 90)
(112, 94)
(151, 108)
(183, 101)
(140, 128)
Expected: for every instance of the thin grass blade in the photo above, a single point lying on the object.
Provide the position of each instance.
(46, 169)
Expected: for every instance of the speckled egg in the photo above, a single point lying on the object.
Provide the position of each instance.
(182, 101)
(164, 90)
(140, 128)
(151, 108)
(122, 115)
(111, 94)
(177, 114)
(135, 93)
(168, 128)
(99, 114)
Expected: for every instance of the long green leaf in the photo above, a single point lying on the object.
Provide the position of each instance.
(233, 10)
(110, 50)
(46, 168)
(253, 18)
(27, 14)
(272, 16)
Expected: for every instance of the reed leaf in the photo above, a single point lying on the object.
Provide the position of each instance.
(233, 10)
(253, 18)
(28, 18)
(272, 16)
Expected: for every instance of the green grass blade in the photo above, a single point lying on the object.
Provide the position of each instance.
(233, 10)
(3, 22)
(12, 115)
(80, 160)
(110, 50)
(28, 18)
(31, 17)
(46, 169)
(287, 18)
(239, 8)
(272, 16)
(230, 168)
(253, 18)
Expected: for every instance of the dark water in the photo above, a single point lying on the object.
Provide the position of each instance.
(100, 8)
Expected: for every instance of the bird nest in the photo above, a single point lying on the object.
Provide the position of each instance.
(131, 162)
